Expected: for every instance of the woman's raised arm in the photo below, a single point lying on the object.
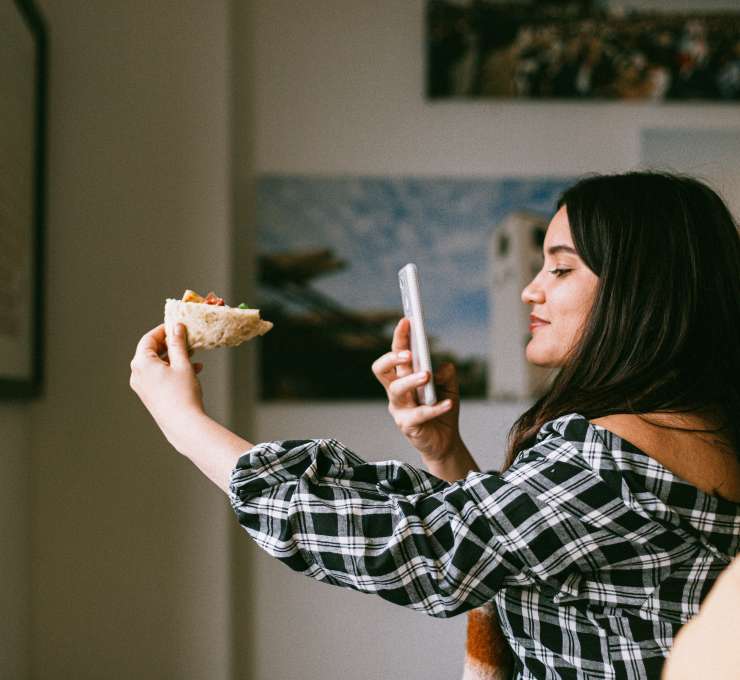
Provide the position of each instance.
(167, 384)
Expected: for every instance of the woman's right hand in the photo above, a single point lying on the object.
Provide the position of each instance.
(431, 430)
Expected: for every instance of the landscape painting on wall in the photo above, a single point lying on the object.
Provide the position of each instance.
(651, 50)
(329, 251)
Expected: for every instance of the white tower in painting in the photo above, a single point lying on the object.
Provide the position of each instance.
(514, 258)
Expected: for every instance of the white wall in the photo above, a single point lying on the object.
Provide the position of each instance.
(243, 385)
(130, 560)
(15, 556)
(339, 90)
(710, 155)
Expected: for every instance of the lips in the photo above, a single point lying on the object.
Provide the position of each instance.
(536, 322)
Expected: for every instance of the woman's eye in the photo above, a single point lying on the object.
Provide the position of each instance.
(559, 272)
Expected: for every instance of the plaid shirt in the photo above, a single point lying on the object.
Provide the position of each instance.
(593, 552)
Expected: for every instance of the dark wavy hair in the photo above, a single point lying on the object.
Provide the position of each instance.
(663, 334)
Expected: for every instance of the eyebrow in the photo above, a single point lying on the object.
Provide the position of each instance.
(553, 250)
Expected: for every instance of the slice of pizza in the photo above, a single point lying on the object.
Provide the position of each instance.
(211, 323)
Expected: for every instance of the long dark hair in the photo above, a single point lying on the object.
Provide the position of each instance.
(663, 334)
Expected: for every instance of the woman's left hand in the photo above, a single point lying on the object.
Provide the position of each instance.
(165, 380)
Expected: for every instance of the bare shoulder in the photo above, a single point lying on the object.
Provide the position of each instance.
(634, 429)
(705, 459)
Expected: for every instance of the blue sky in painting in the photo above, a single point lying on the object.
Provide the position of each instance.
(379, 224)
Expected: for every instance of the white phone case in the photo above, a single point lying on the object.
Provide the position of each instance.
(408, 278)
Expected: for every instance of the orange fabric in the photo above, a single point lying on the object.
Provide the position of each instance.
(488, 653)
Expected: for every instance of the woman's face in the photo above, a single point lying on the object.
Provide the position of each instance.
(560, 295)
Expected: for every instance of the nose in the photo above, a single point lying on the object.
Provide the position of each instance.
(533, 293)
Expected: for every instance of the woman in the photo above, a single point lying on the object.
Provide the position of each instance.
(618, 506)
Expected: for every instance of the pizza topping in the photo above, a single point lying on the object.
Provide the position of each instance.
(210, 299)
(191, 296)
(213, 299)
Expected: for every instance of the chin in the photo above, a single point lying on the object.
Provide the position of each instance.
(542, 357)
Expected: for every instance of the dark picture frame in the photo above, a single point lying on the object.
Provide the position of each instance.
(23, 85)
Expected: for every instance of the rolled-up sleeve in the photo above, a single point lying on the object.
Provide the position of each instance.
(442, 548)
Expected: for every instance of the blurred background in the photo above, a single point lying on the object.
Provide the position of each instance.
(118, 559)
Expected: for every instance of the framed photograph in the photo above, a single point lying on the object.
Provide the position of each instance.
(636, 50)
(22, 153)
(329, 251)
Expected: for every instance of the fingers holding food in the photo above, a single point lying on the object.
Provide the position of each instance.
(177, 348)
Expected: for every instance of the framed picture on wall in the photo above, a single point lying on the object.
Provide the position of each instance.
(649, 50)
(22, 154)
(329, 251)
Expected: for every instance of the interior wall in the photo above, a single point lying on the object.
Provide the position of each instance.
(130, 562)
(15, 525)
(710, 155)
(245, 360)
(338, 90)
(128, 546)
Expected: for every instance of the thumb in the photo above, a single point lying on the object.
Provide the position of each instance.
(177, 347)
(446, 378)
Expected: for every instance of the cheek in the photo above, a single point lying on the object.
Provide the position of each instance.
(569, 306)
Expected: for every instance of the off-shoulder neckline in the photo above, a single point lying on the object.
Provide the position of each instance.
(625, 444)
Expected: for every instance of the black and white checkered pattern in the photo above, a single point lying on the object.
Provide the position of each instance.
(594, 553)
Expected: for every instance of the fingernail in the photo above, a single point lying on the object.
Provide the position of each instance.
(179, 328)
(404, 355)
(447, 403)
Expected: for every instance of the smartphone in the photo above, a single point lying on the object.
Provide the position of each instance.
(408, 278)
